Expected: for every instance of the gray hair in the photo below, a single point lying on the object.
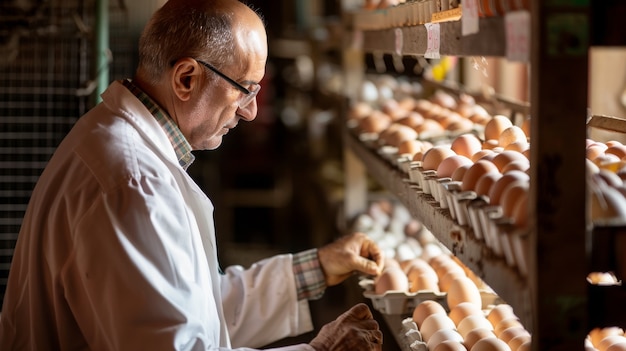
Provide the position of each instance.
(179, 30)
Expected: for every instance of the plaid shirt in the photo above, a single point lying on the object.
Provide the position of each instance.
(180, 144)
(310, 282)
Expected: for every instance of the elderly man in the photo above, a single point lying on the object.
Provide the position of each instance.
(117, 249)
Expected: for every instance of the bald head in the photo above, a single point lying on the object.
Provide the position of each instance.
(219, 32)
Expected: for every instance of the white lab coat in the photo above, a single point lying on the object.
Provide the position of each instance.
(117, 252)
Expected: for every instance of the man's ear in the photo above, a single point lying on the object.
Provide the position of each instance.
(185, 77)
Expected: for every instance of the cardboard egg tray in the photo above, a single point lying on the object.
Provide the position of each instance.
(469, 209)
(403, 303)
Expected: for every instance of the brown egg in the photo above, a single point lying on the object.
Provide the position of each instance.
(461, 125)
(463, 289)
(519, 146)
(445, 281)
(430, 126)
(604, 344)
(472, 175)
(508, 334)
(507, 156)
(450, 164)
(448, 266)
(526, 126)
(376, 122)
(597, 334)
(422, 282)
(520, 211)
(442, 335)
(473, 322)
(466, 145)
(500, 185)
(483, 154)
(510, 135)
(391, 279)
(500, 312)
(484, 183)
(594, 151)
(490, 144)
(519, 165)
(506, 324)
(512, 196)
(473, 336)
(450, 345)
(425, 309)
(490, 344)
(409, 147)
(458, 174)
(433, 323)
(412, 119)
(360, 110)
(617, 347)
(433, 157)
(496, 126)
(517, 341)
(463, 310)
(420, 265)
(525, 346)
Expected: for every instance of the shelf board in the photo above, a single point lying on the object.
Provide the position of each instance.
(460, 240)
(489, 41)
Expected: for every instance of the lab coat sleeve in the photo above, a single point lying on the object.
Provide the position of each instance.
(260, 303)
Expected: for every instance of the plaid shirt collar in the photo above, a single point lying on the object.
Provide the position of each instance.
(176, 137)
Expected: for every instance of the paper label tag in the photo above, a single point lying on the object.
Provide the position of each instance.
(399, 41)
(517, 26)
(469, 17)
(434, 34)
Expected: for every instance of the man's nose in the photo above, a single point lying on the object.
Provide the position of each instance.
(249, 112)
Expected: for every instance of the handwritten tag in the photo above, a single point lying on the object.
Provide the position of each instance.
(469, 17)
(517, 26)
(433, 31)
(399, 41)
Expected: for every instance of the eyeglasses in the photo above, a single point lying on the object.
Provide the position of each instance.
(248, 94)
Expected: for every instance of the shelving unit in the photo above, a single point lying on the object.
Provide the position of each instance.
(552, 301)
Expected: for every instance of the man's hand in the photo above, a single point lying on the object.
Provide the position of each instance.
(353, 330)
(355, 252)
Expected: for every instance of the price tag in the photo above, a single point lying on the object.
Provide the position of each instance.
(517, 26)
(399, 41)
(434, 35)
(469, 17)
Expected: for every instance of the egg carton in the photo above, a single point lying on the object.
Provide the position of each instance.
(403, 303)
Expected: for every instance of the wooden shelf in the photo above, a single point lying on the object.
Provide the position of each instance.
(489, 41)
(502, 278)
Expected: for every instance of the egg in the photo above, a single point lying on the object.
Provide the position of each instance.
(485, 182)
(525, 346)
(490, 144)
(512, 332)
(376, 122)
(617, 347)
(463, 310)
(506, 324)
(409, 147)
(450, 345)
(604, 344)
(490, 344)
(618, 150)
(473, 336)
(594, 151)
(519, 146)
(425, 309)
(435, 155)
(517, 341)
(445, 281)
(442, 335)
(433, 323)
(483, 154)
(507, 156)
(419, 281)
(472, 322)
(510, 135)
(466, 145)
(430, 126)
(512, 195)
(520, 211)
(479, 168)
(458, 174)
(463, 289)
(500, 185)
(519, 165)
(391, 279)
(450, 164)
(500, 312)
(496, 125)
(418, 264)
